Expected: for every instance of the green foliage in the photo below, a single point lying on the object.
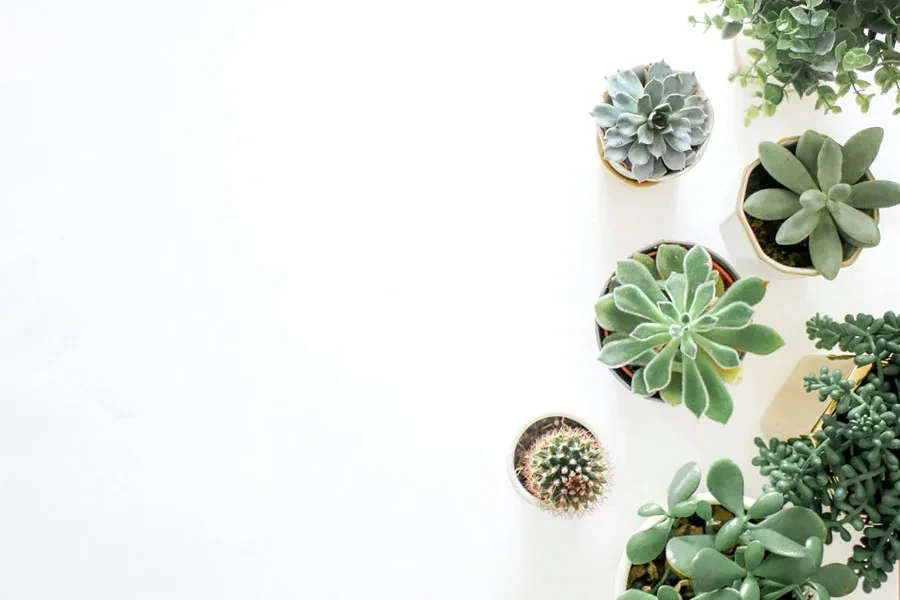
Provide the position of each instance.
(825, 48)
(848, 472)
(683, 337)
(654, 121)
(764, 551)
(566, 470)
(823, 198)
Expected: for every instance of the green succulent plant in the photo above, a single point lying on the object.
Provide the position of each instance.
(655, 120)
(822, 48)
(669, 324)
(567, 471)
(823, 198)
(764, 551)
(848, 472)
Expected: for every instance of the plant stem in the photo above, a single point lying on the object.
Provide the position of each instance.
(662, 580)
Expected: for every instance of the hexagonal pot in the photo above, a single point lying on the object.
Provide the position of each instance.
(746, 250)
(622, 171)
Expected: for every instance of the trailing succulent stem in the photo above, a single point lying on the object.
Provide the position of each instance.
(848, 472)
(566, 470)
(825, 48)
(764, 551)
(825, 196)
(654, 120)
(683, 340)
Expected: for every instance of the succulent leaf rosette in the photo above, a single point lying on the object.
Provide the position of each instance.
(681, 338)
(848, 471)
(764, 551)
(655, 120)
(825, 195)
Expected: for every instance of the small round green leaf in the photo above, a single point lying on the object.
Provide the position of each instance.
(646, 545)
(838, 579)
(796, 228)
(684, 484)
(754, 554)
(726, 483)
(765, 505)
(750, 589)
(651, 510)
(729, 533)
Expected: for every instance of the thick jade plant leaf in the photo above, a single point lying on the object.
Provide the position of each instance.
(713, 570)
(859, 153)
(838, 579)
(785, 168)
(726, 483)
(684, 484)
(776, 543)
(796, 523)
(646, 545)
(681, 551)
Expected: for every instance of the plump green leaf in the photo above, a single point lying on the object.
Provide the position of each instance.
(813, 199)
(830, 162)
(797, 227)
(693, 390)
(651, 510)
(766, 505)
(753, 555)
(773, 204)
(722, 355)
(785, 168)
(636, 595)
(728, 534)
(676, 285)
(825, 249)
(773, 94)
(720, 404)
(750, 290)
(859, 153)
(874, 194)
(750, 589)
(796, 523)
(754, 338)
(838, 579)
(855, 223)
(681, 551)
(671, 394)
(658, 373)
(648, 262)
(785, 570)
(722, 594)
(649, 330)
(639, 384)
(670, 259)
(697, 266)
(702, 298)
(726, 483)
(646, 545)
(683, 509)
(713, 571)
(807, 151)
(630, 299)
(815, 547)
(632, 272)
(776, 543)
(684, 484)
(611, 318)
(821, 591)
(623, 352)
(667, 592)
(734, 316)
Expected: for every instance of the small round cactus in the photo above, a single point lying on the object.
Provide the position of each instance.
(566, 471)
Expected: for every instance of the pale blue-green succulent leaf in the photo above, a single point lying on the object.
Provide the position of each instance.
(754, 338)
(658, 373)
(859, 153)
(855, 223)
(874, 194)
(639, 155)
(632, 300)
(773, 204)
(813, 199)
(796, 523)
(766, 505)
(611, 318)
(681, 551)
(632, 272)
(702, 299)
(670, 259)
(785, 168)
(807, 151)
(646, 545)
(697, 265)
(726, 483)
(626, 82)
(776, 543)
(825, 249)
(728, 534)
(624, 352)
(720, 404)
(677, 287)
(736, 315)
(648, 330)
(798, 227)
(694, 392)
(713, 571)
(722, 355)
(830, 162)
(749, 290)
(668, 309)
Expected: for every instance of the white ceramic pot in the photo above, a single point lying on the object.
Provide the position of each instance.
(625, 566)
(511, 458)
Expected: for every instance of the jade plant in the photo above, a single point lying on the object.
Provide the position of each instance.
(566, 470)
(822, 48)
(682, 340)
(825, 197)
(848, 471)
(654, 120)
(729, 551)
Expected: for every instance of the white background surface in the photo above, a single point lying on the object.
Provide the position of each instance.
(281, 280)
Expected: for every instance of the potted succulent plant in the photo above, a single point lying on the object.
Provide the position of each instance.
(674, 323)
(809, 206)
(724, 546)
(559, 465)
(822, 48)
(848, 469)
(653, 124)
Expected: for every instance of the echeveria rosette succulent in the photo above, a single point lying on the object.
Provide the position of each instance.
(764, 551)
(848, 471)
(653, 123)
(567, 471)
(823, 198)
(682, 338)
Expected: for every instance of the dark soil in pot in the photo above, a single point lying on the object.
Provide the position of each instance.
(796, 255)
(534, 432)
(726, 272)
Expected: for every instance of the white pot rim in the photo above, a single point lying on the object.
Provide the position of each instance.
(511, 457)
(624, 567)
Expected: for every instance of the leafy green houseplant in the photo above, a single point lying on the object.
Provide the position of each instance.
(653, 122)
(726, 547)
(848, 470)
(815, 203)
(822, 48)
(680, 333)
(559, 465)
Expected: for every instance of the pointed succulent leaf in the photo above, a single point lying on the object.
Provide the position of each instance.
(855, 223)
(713, 570)
(785, 570)
(632, 300)
(678, 142)
(750, 290)
(688, 345)
(643, 172)
(684, 484)
(736, 315)
(632, 272)
(697, 265)
(669, 310)
(754, 338)
(704, 323)
(722, 355)
(654, 88)
(776, 543)
(676, 101)
(626, 82)
(720, 404)
(617, 155)
(646, 545)
(702, 299)
(838, 579)
(606, 114)
(785, 168)
(874, 194)
(645, 134)
(765, 505)
(808, 151)
(825, 249)
(648, 330)
(726, 483)
(659, 70)
(638, 383)
(625, 102)
(658, 373)
(671, 394)
(628, 123)
(644, 105)
(611, 318)
(674, 160)
(658, 147)
(798, 227)
(623, 352)
(830, 162)
(677, 286)
(615, 139)
(681, 551)
(773, 204)
(796, 523)
(671, 85)
(639, 155)
(859, 153)
(693, 390)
